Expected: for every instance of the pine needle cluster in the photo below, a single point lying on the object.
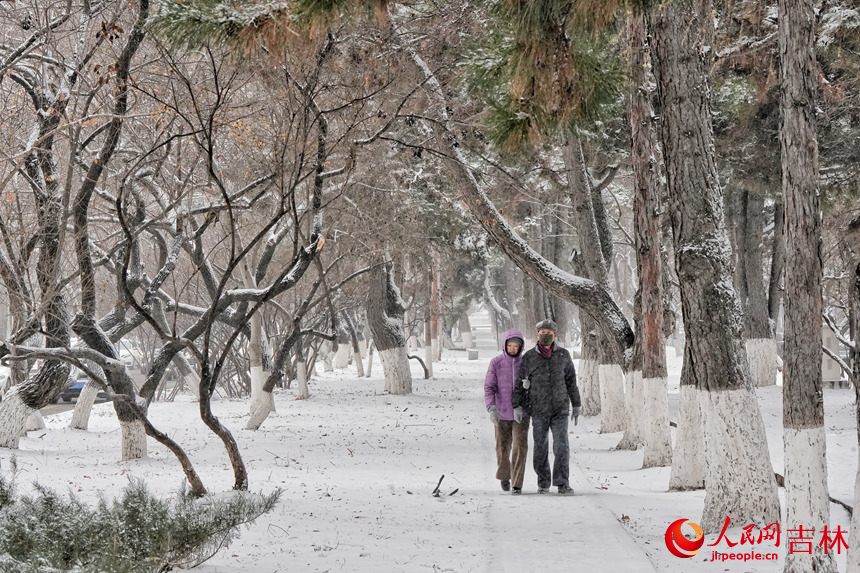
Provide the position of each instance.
(135, 533)
(539, 68)
(242, 27)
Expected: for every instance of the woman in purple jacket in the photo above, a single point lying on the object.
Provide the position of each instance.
(512, 444)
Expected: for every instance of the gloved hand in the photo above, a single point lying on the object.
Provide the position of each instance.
(494, 415)
(574, 414)
(518, 415)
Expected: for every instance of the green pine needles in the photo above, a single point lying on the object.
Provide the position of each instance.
(538, 72)
(135, 533)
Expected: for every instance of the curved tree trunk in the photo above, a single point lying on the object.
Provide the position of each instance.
(27, 397)
(84, 406)
(806, 492)
(740, 480)
(589, 295)
(385, 311)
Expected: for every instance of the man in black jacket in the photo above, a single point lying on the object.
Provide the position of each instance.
(546, 383)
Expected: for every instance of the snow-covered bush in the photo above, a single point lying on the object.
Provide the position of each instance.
(135, 533)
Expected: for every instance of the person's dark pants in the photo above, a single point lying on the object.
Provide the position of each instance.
(542, 426)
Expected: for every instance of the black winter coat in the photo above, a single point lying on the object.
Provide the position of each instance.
(553, 383)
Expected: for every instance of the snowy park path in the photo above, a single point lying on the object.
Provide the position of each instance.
(548, 532)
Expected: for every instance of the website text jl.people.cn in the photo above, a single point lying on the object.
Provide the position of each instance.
(747, 556)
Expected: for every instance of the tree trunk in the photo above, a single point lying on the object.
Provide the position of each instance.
(341, 357)
(385, 311)
(84, 406)
(302, 371)
(356, 350)
(806, 493)
(370, 350)
(327, 354)
(23, 399)
(760, 343)
(133, 430)
(740, 481)
(777, 264)
(688, 458)
(648, 401)
(466, 332)
(610, 374)
(853, 558)
(428, 343)
(587, 377)
(260, 399)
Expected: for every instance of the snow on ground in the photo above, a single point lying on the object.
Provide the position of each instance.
(358, 467)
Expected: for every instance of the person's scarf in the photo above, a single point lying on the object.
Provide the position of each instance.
(547, 352)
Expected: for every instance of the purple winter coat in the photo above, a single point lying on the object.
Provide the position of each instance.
(499, 383)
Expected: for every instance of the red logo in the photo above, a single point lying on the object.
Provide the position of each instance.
(680, 546)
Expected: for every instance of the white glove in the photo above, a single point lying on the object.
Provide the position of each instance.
(518, 415)
(494, 415)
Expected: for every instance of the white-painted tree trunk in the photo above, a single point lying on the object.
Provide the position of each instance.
(468, 339)
(428, 359)
(688, 457)
(634, 398)
(740, 479)
(761, 356)
(446, 342)
(359, 365)
(611, 380)
(589, 387)
(807, 498)
(341, 357)
(435, 349)
(133, 440)
(302, 379)
(84, 406)
(258, 416)
(13, 418)
(35, 422)
(395, 365)
(327, 357)
(853, 558)
(362, 348)
(259, 398)
(655, 428)
(262, 402)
